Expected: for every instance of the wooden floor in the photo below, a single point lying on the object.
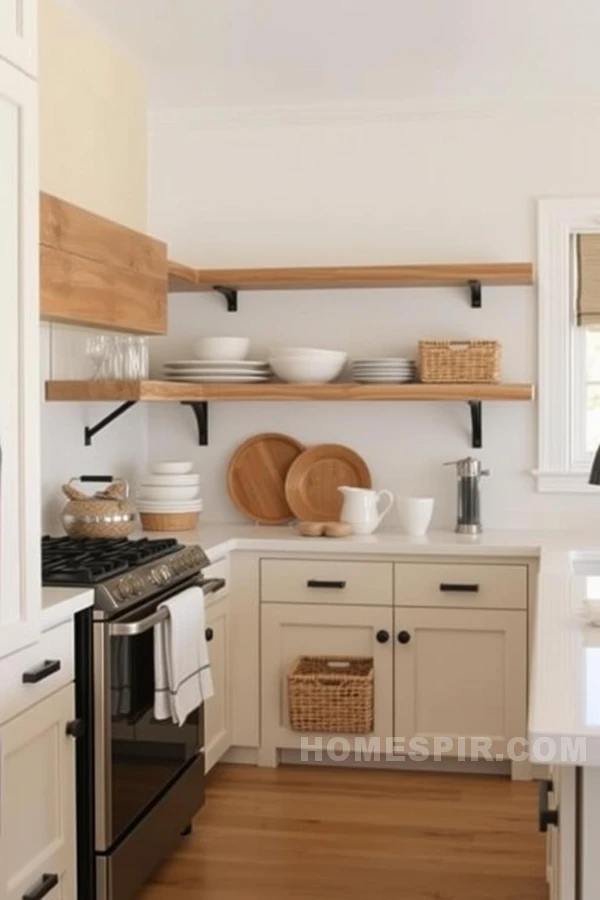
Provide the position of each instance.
(298, 833)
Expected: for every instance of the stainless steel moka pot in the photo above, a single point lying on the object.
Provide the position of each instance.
(468, 475)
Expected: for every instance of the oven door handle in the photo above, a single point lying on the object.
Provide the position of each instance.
(131, 629)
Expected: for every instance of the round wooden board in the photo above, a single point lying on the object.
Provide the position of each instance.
(256, 477)
(311, 486)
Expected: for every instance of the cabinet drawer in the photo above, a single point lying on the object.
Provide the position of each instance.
(326, 581)
(55, 646)
(456, 585)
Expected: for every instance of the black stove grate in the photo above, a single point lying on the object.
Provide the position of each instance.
(87, 561)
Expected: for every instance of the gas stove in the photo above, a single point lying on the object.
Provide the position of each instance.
(122, 572)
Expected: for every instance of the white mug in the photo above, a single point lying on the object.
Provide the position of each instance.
(415, 514)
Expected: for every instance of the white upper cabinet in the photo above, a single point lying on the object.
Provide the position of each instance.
(20, 578)
(18, 33)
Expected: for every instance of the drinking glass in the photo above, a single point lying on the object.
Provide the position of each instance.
(96, 348)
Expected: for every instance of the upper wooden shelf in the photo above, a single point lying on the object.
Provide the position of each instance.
(185, 278)
(165, 391)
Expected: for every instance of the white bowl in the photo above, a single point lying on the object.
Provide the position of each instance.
(172, 506)
(307, 352)
(172, 468)
(225, 348)
(168, 493)
(169, 481)
(302, 369)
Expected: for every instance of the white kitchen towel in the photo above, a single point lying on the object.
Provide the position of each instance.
(182, 676)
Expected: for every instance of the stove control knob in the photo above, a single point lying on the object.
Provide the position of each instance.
(124, 588)
(164, 574)
(137, 585)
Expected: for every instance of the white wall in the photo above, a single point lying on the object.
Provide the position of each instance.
(92, 153)
(451, 183)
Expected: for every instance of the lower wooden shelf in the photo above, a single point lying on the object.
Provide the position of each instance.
(198, 396)
(165, 391)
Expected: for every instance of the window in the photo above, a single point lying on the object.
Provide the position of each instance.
(569, 352)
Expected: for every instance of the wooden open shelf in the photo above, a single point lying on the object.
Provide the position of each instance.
(185, 278)
(165, 391)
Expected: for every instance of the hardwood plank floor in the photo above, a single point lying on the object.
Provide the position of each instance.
(300, 833)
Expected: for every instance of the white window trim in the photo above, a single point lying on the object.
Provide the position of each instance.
(561, 468)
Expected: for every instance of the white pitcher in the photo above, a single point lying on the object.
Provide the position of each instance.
(360, 508)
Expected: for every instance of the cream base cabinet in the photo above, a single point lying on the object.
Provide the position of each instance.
(18, 33)
(460, 673)
(37, 790)
(291, 630)
(217, 710)
(20, 577)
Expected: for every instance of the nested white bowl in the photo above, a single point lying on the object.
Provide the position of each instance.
(223, 348)
(302, 369)
(171, 467)
(152, 480)
(170, 506)
(307, 353)
(154, 492)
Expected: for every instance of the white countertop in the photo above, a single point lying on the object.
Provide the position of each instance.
(59, 604)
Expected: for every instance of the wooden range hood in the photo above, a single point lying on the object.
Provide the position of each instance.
(96, 273)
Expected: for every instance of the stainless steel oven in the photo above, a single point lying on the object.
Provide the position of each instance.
(148, 774)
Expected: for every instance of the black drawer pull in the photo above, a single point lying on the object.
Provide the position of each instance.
(546, 816)
(316, 583)
(209, 634)
(47, 668)
(460, 588)
(44, 887)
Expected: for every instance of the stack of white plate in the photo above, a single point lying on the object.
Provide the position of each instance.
(171, 487)
(217, 371)
(384, 370)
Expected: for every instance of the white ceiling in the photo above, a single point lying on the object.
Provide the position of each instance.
(287, 52)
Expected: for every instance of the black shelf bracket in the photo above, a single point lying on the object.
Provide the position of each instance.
(200, 410)
(90, 432)
(475, 288)
(476, 424)
(230, 294)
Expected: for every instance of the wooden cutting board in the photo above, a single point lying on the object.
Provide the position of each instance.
(256, 477)
(313, 480)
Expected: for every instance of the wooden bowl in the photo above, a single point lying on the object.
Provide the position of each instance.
(169, 521)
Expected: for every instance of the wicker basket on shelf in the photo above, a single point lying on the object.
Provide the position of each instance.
(459, 362)
(331, 694)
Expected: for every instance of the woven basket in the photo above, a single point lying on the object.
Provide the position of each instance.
(459, 362)
(331, 694)
(169, 521)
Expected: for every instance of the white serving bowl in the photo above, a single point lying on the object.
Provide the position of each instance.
(153, 492)
(307, 369)
(307, 353)
(223, 348)
(169, 481)
(172, 468)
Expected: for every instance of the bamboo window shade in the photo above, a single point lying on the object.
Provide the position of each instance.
(588, 279)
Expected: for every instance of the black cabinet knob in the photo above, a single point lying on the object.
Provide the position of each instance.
(209, 634)
(75, 728)
(382, 637)
(403, 637)
(44, 670)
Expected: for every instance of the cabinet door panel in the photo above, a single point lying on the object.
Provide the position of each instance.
(19, 361)
(37, 813)
(217, 710)
(18, 38)
(462, 674)
(290, 631)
